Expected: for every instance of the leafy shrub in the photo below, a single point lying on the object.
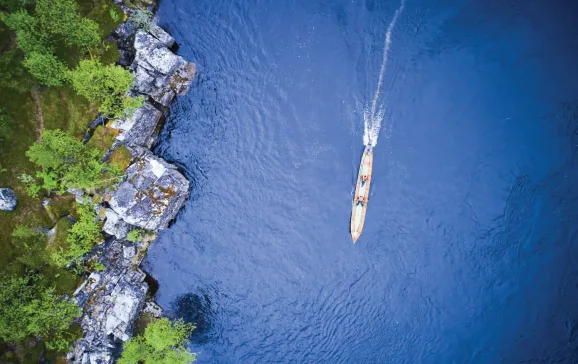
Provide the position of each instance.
(65, 162)
(135, 235)
(163, 342)
(29, 35)
(14, 74)
(46, 68)
(61, 18)
(80, 238)
(107, 85)
(114, 15)
(27, 308)
(32, 189)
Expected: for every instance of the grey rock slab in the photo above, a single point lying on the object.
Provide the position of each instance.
(151, 194)
(140, 128)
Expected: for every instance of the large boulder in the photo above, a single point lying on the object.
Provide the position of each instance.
(7, 199)
(159, 73)
(151, 194)
(140, 128)
(111, 302)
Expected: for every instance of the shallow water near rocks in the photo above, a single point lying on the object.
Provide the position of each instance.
(468, 252)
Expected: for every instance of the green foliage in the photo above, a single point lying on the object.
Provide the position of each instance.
(143, 19)
(29, 35)
(60, 18)
(107, 86)
(5, 132)
(80, 238)
(27, 308)
(85, 233)
(46, 68)
(14, 5)
(31, 244)
(24, 232)
(14, 75)
(135, 235)
(32, 188)
(65, 162)
(114, 15)
(163, 342)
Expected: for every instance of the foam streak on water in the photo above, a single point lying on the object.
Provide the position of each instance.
(374, 116)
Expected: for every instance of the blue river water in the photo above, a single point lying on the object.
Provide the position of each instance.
(468, 254)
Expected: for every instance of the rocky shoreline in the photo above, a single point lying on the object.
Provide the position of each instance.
(148, 198)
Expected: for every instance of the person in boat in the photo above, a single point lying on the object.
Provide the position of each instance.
(363, 179)
(360, 200)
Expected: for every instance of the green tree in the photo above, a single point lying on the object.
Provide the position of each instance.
(163, 342)
(14, 74)
(27, 308)
(85, 232)
(66, 162)
(46, 68)
(29, 35)
(107, 86)
(61, 18)
(30, 244)
(80, 238)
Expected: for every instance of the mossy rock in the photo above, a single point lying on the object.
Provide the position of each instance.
(103, 138)
(121, 157)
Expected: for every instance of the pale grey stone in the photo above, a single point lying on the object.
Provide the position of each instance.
(7, 199)
(151, 194)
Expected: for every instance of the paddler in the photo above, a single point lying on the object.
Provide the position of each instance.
(360, 200)
(363, 179)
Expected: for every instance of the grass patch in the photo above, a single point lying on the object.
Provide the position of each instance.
(63, 109)
(121, 157)
(103, 138)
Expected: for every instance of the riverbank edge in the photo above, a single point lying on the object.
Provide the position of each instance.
(143, 203)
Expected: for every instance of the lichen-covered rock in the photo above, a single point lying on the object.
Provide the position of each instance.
(112, 300)
(140, 128)
(7, 199)
(182, 78)
(114, 225)
(124, 36)
(158, 72)
(160, 34)
(151, 194)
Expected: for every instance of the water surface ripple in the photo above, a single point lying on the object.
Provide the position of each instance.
(468, 252)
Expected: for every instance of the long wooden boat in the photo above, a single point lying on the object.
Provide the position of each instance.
(362, 189)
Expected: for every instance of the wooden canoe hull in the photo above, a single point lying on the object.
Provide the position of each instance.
(358, 211)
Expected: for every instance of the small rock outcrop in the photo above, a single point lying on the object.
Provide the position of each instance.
(149, 197)
(140, 128)
(151, 194)
(7, 199)
(159, 73)
(112, 300)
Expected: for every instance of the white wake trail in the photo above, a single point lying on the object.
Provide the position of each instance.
(373, 116)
